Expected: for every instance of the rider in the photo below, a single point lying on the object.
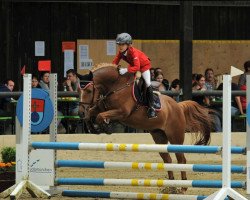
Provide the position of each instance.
(137, 61)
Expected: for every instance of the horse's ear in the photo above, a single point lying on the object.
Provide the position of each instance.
(90, 75)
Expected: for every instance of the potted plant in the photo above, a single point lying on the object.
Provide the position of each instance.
(7, 168)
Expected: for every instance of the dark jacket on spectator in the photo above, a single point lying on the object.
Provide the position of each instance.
(4, 101)
(165, 83)
(234, 86)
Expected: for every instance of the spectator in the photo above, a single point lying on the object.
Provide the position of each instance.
(6, 109)
(210, 79)
(160, 78)
(194, 78)
(243, 99)
(35, 82)
(72, 84)
(157, 69)
(175, 87)
(236, 107)
(199, 85)
(219, 80)
(44, 82)
(152, 73)
(7, 86)
(242, 79)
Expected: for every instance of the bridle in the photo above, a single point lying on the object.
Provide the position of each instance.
(103, 97)
(92, 99)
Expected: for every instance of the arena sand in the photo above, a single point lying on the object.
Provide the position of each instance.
(238, 139)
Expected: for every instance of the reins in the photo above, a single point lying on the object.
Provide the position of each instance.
(103, 97)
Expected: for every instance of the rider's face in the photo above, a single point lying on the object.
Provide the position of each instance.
(122, 47)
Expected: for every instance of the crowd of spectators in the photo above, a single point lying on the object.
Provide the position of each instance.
(200, 82)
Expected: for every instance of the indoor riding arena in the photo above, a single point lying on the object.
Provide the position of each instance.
(124, 100)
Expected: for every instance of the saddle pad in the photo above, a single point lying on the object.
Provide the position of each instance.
(140, 97)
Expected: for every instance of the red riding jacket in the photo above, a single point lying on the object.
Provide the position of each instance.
(136, 59)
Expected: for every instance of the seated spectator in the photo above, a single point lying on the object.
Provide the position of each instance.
(160, 78)
(72, 83)
(6, 109)
(7, 86)
(35, 82)
(236, 107)
(243, 99)
(210, 81)
(175, 87)
(152, 73)
(219, 80)
(199, 85)
(194, 78)
(242, 78)
(157, 69)
(44, 82)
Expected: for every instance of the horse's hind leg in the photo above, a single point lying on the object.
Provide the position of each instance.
(179, 156)
(182, 160)
(160, 137)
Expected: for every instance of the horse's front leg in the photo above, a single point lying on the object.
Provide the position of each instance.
(111, 115)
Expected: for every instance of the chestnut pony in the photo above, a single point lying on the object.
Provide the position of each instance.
(109, 98)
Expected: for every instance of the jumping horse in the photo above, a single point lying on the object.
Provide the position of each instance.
(109, 98)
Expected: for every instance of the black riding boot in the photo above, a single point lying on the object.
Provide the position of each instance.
(151, 111)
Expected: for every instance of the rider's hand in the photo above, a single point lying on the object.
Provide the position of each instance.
(123, 71)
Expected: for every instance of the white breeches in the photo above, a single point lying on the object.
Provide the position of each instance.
(146, 76)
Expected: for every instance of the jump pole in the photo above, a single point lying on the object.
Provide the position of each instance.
(22, 151)
(27, 163)
(226, 190)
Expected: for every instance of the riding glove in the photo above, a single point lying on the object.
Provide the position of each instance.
(123, 71)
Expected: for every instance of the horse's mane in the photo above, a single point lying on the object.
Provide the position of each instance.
(103, 65)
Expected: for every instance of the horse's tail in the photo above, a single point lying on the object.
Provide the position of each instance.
(198, 121)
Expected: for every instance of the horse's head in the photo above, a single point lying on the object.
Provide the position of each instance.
(88, 97)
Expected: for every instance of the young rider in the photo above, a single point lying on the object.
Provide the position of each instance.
(137, 61)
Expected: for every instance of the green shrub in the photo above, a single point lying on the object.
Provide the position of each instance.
(8, 154)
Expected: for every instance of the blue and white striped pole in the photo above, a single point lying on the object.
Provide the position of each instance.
(146, 166)
(130, 195)
(133, 147)
(147, 182)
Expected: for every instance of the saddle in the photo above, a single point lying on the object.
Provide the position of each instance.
(139, 94)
